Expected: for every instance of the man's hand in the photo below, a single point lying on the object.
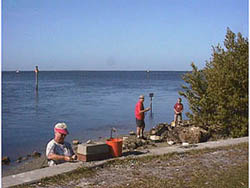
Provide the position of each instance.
(67, 158)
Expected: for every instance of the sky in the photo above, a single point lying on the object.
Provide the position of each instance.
(165, 35)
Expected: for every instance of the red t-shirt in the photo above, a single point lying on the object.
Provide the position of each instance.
(178, 107)
(138, 107)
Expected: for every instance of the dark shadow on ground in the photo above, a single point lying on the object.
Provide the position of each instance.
(125, 154)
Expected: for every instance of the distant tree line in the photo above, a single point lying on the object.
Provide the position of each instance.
(218, 94)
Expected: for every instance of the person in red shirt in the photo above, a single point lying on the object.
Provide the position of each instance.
(139, 116)
(178, 109)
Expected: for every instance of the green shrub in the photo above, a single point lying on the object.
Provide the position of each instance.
(218, 94)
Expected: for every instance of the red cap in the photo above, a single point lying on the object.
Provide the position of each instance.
(61, 128)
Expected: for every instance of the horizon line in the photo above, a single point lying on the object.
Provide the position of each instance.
(96, 70)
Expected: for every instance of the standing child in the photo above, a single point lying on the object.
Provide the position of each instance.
(178, 109)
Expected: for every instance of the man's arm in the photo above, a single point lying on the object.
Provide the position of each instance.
(145, 110)
(56, 157)
(52, 156)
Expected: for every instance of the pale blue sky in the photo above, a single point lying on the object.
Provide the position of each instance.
(116, 34)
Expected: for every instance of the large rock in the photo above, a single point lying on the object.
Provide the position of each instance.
(75, 142)
(36, 154)
(5, 160)
(159, 129)
(172, 135)
(132, 133)
(21, 159)
(156, 138)
(193, 135)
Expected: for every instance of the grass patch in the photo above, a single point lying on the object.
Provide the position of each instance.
(174, 155)
(232, 177)
(198, 175)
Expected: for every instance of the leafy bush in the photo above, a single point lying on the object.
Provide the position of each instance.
(218, 94)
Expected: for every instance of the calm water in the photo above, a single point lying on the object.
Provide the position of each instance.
(89, 102)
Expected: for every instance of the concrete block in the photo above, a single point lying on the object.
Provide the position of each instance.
(93, 157)
(93, 148)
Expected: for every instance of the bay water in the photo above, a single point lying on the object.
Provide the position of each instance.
(89, 102)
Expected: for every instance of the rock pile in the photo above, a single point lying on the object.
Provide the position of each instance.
(184, 132)
(132, 142)
(6, 160)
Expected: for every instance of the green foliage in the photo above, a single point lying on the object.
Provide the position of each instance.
(218, 94)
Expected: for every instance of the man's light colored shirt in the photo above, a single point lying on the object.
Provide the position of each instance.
(59, 149)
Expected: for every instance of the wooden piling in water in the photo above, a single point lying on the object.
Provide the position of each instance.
(36, 72)
(151, 105)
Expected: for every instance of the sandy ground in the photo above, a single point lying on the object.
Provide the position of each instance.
(24, 166)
